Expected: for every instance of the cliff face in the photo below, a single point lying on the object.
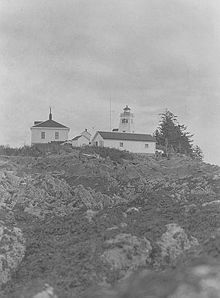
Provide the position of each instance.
(82, 220)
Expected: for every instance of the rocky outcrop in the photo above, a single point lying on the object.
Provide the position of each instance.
(173, 243)
(12, 249)
(9, 185)
(95, 200)
(126, 253)
(44, 195)
(91, 220)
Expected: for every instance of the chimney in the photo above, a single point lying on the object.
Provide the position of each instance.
(50, 115)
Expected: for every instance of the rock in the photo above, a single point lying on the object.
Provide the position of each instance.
(126, 253)
(112, 228)
(84, 196)
(189, 208)
(9, 184)
(90, 214)
(212, 203)
(124, 214)
(35, 210)
(200, 191)
(48, 292)
(12, 249)
(174, 242)
(95, 200)
(45, 194)
(132, 209)
(4, 196)
(211, 246)
(216, 177)
(123, 225)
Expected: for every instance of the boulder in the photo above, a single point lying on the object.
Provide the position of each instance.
(173, 243)
(125, 253)
(47, 292)
(90, 214)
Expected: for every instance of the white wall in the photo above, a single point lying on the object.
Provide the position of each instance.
(86, 134)
(82, 141)
(49, 134)
(98, 140)
(129, 126)
(132, 146)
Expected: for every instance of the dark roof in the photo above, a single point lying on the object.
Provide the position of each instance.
(126, 136)
(50, 123)
(76, 138)
(37, 122)
(126, 108)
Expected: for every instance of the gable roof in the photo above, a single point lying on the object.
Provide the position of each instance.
(126, 136)
(50, 123)
(80, 136)
(76, 138)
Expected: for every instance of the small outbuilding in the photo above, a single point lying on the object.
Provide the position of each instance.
(81, 140)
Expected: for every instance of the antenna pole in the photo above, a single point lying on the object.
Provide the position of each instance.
(110, 114)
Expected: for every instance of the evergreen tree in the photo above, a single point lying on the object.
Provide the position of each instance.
(197, 153)
(172, 136)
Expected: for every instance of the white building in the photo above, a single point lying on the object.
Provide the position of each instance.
(81, 140)
(48, 131)
(133, 142)
(124, 138)
(126, 123)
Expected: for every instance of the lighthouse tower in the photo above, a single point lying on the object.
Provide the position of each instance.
(126, 121)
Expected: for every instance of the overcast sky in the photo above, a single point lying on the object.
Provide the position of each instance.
(77, 55)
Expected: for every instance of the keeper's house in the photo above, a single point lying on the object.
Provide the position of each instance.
(48, 131)
(133, 142)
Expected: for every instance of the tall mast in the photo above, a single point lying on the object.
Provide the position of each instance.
(110, 113)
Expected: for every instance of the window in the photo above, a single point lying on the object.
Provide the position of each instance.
(121, 144)
(43, 134)
(101, 143)
(146, 145)
(124, 120)
(56, 135)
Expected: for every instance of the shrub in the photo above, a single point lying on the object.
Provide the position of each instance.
(35, 150)
(114, 154)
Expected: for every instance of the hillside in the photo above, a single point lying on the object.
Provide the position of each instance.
(79, 220)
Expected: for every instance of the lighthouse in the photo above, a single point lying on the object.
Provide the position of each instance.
(126, 121)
